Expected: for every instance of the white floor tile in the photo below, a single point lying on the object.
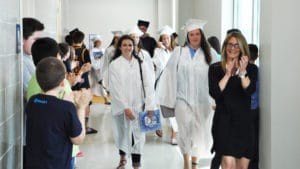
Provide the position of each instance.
(101, 153)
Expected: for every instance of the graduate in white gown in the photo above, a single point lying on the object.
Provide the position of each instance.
(130, 91)
(144, 55)
(109, 53)
(97, 59)
(184, 86)
(160, 59)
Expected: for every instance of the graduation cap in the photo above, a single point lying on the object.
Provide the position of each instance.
(73, 31)
(233, 30)
(166, 30)
(97, 37)
(193, 24)
(143, 23)
(117, 33)
(134, 30)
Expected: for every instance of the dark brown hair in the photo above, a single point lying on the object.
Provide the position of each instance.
(49, 73)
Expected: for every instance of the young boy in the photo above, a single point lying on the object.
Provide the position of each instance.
(83, 57)
(53, 124)
(44, 48)
(255, 110)
(32, 30)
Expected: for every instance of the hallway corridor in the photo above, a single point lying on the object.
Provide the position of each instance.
(100, 152)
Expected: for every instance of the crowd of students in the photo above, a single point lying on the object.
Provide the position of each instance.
(197, 82)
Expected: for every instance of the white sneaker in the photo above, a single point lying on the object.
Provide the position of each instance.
(174, 141)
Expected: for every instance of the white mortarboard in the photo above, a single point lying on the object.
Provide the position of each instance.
(166, 30)
(193, 24)
(97, 37)
(117, 33)
(134, 30)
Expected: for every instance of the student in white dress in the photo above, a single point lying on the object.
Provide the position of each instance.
(97, 58)
(160, 59)
(144, 55)
(131, 93)
(109, 53)
(185, 88)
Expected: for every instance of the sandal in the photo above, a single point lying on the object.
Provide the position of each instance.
(194, 165)
(122, 164)
(159, 133)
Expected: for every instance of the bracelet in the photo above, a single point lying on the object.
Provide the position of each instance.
(243, 75)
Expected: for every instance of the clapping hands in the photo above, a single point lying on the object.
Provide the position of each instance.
(237, 66)
(82, 98)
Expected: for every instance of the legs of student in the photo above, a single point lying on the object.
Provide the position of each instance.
(138, 142)
(174, 127)
(136, 160)
(87, 115)
(123, 160)
(194, 162)
(186, 161)
(104, 93)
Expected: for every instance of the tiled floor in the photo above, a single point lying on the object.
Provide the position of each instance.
(101, 153)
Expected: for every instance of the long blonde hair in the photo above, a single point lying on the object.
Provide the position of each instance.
(244, 49)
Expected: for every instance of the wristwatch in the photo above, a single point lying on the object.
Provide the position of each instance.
(243, 75)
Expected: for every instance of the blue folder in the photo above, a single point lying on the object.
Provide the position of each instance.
(149, 124)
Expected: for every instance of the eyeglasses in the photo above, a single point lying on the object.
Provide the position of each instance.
(234, 45)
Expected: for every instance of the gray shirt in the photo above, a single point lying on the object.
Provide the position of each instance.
(28, 70)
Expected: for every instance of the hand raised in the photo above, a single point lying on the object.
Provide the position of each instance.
(243, 64)
(82, 97)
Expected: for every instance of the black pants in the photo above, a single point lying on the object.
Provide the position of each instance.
(136, 158)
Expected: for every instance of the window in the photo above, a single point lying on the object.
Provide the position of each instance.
(246, 18)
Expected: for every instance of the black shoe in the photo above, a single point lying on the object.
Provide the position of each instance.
(107, 103)
(90, 131)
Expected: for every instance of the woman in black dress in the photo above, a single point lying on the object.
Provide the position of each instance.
(231, 83)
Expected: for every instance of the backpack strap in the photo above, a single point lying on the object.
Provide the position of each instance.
(141, 73)
(82, 54)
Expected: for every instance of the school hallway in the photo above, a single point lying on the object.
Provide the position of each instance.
(100, 151)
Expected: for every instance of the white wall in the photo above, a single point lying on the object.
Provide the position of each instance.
(46, 11)
(185, 11)
(10, 87)
(102, 16)
(279, 74)
(211, 12)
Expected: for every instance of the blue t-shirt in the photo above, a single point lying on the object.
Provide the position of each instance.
(49, 125)
(192, 52)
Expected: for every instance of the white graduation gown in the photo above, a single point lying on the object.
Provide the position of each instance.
(126, 92)
(160, 60)
(97, 72)
(145, 56)
(184, 86)
(109, 53)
